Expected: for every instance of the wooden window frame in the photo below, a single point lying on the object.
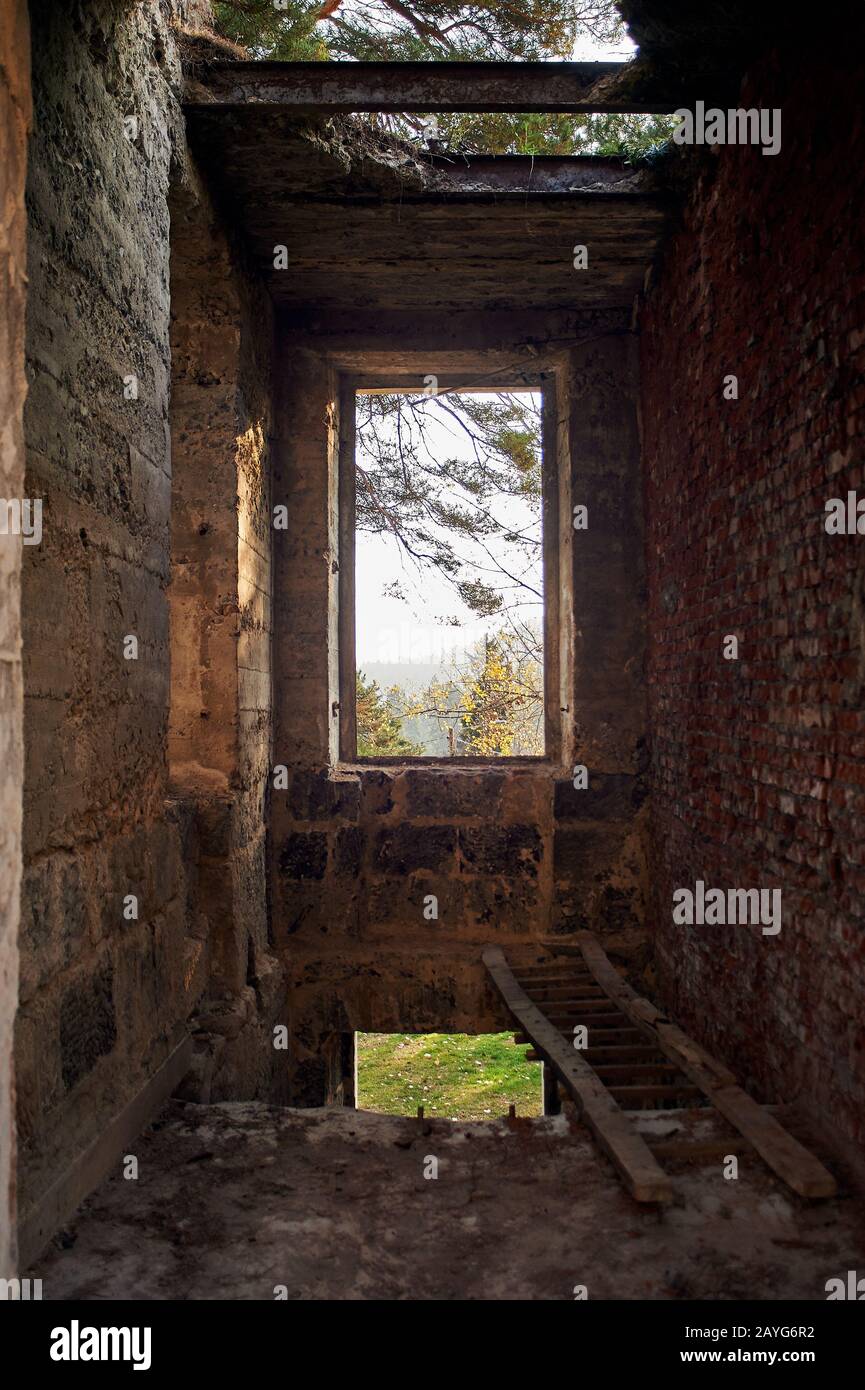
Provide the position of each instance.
(543, 381)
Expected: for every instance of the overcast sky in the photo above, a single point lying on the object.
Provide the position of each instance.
(391, 630)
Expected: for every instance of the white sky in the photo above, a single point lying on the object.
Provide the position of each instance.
(588, 51)
(391, 630)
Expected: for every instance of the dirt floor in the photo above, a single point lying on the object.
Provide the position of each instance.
(241, 1201)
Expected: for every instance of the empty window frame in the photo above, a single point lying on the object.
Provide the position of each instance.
(448, 571)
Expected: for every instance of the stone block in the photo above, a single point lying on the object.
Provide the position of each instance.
(349, 851)
(511, 850)
(304, 854)
(583, 854)
(448, 795)
(88, 1026)
(314, 794)
(402, 849)
(609, 796)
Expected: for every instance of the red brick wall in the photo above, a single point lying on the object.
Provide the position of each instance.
(759, 764)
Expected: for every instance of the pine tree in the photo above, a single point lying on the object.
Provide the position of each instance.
(378, 728)
(434, 30)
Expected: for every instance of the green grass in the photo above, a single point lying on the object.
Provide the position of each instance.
(453, 1076)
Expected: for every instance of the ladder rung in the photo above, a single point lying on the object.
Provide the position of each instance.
(558, 977)
(566, 1022)
(611, 1044)
(564, 1007)
(569, 991)
(624, 1073)
(601, 1036)
(634, 1097)
(636, 1052)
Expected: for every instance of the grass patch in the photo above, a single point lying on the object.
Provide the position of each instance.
(453, 1076)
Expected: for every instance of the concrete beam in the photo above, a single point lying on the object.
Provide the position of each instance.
(534, 175)
(433, 87)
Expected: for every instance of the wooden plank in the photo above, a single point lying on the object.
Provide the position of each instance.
(634, 1096)
(646, 1015)
(566, 1023)
(623, 1073)
(785, 1155)
(601, 1036)
(565, 1008)
(623, 1039)
(568, 1006)
(564, 994)
(560, 963)
(677, 1044)
(87, 1170)
(636, 1052)
(640, 1010)
(639, 1171)
(572, 966)
(557, 982)
(593, 1003)
(552, 972)
(553, 976)
(788, 1158)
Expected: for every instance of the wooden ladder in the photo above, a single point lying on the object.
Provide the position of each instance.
(636, 1059)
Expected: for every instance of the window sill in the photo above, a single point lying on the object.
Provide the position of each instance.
(540, 763)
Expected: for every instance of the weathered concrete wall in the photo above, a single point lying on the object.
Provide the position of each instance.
(220, 597)
(599, 867)
(512, 853)
(104, 995)
(758, 765)
(15, 114)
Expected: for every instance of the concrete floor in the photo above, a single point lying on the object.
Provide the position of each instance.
(234, 1200)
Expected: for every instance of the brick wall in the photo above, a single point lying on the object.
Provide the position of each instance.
(758, 765)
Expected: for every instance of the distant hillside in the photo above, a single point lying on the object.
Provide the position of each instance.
(409, 675)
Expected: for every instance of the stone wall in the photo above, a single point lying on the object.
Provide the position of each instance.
(758, 764)
(511, 852)
(220, 598)
(15, 114)
(107, 984)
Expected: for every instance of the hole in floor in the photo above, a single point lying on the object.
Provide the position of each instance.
(454, 1076)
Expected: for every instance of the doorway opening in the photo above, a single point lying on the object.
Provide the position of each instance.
(454, 1076)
